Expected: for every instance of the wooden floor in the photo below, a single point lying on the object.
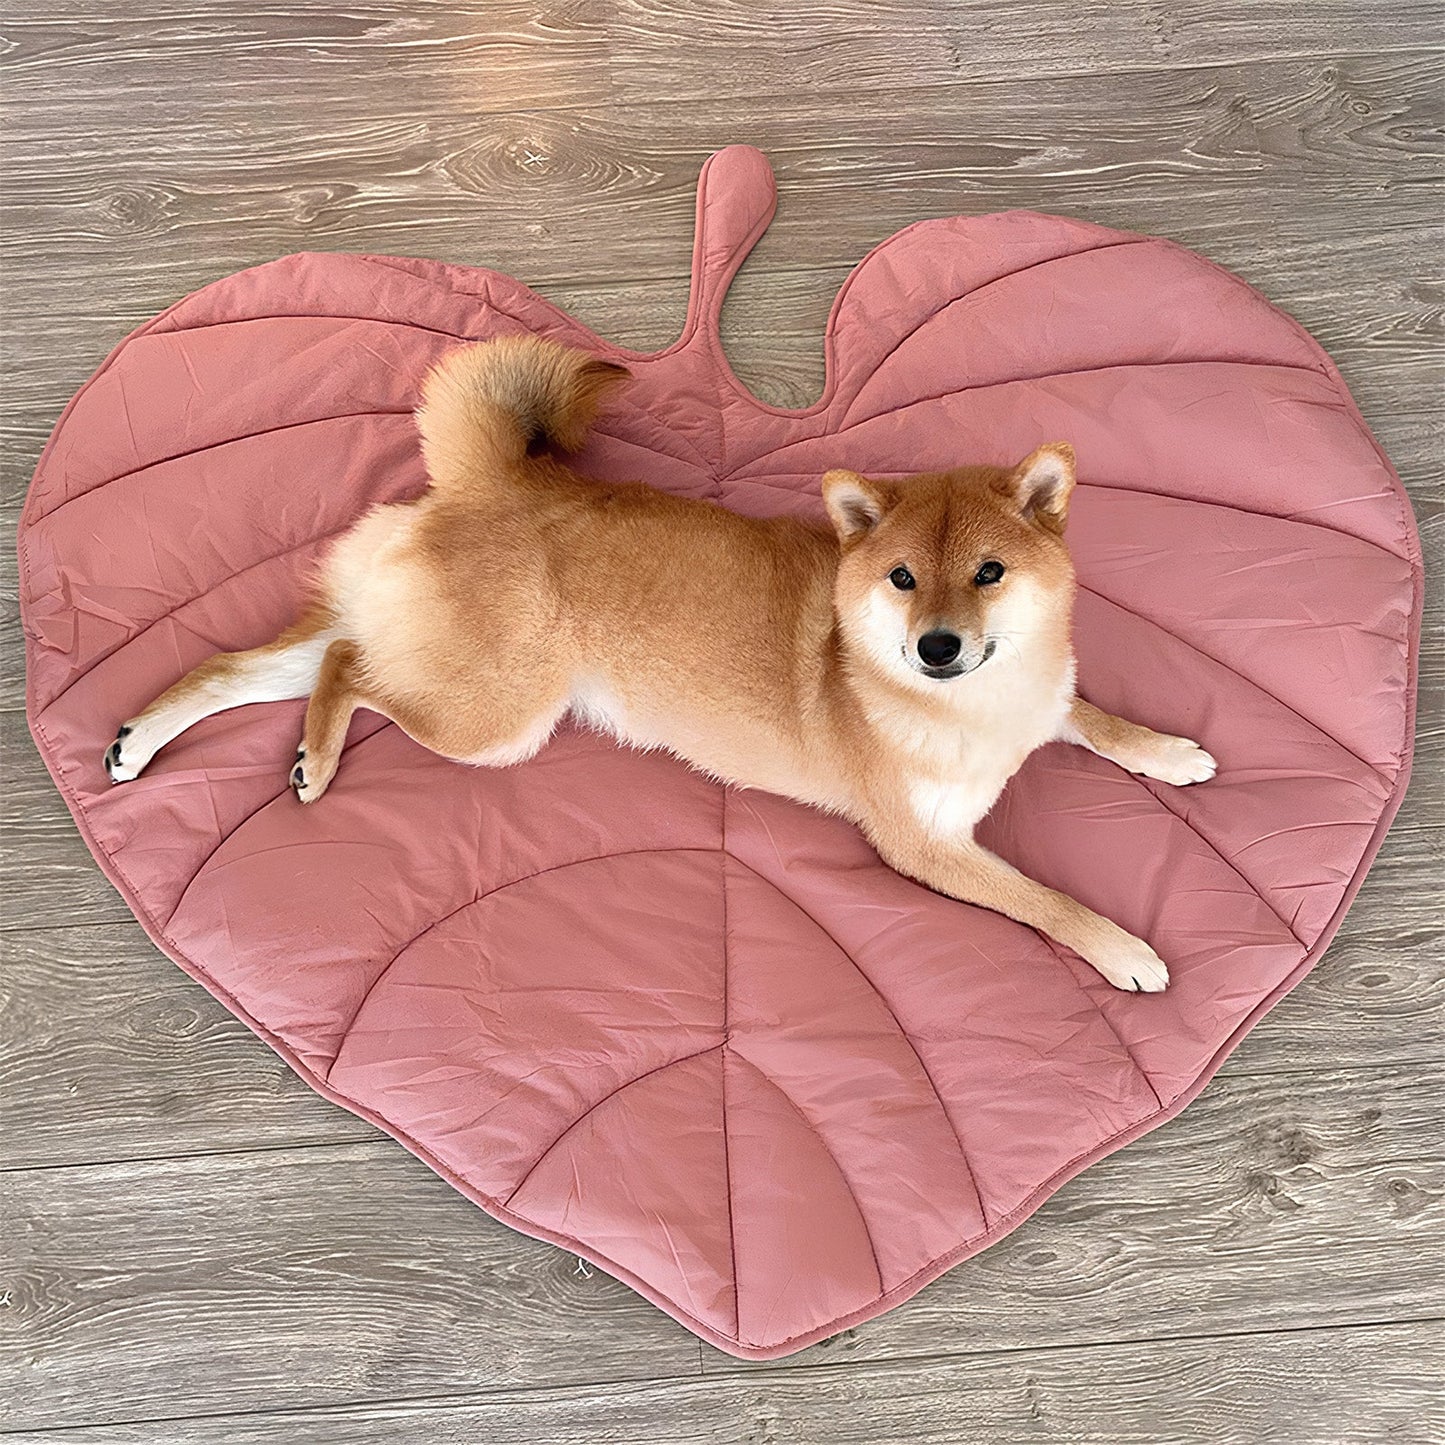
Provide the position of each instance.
(193, 1247)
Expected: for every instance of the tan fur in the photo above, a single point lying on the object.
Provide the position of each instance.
(770, 653)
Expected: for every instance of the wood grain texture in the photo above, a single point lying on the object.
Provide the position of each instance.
(47, 876)
(533, 192)
(112, 1053)
(1385, 339)
(301, 1276)
(718, 47)
(1312, 1387)
(371, 1279)
(187, 1233)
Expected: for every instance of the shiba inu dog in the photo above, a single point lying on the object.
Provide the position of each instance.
(896, 669)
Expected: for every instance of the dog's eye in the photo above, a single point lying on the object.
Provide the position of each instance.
(988, 574)
(902, 579)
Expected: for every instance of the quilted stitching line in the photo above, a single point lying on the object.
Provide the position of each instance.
(988, 285)
(817, 1133)
(112, 864)
(216, 446)
(1293, 521)
(285, 1050)
(1087, 371)
(1396, 789)
(592, 1109)
(1331, 372)
(485, 298)
(1213, 848)
(702, 462)
(723, 856)
(1249, 683)
(931, 1269)
(446, 1171)
(897, 1023)
(726, 1024)
(559, 318)
(775, 482)
(486, 295)
(330, 316)
(155, 326)
(191, 600)
(336, 316)
(462, 908)
(849, 426)
(255, 812)
(940, 1263)
(1103, 1017)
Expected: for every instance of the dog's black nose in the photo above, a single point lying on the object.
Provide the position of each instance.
(938, 649)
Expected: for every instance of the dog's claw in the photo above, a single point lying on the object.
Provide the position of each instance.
(1129, 963)
(114, 769)
(306, 788)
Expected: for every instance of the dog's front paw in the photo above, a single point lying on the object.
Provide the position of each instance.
(1178, 761)
(1128, 963)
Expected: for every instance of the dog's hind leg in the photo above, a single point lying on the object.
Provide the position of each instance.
(339, 691)
(285, 668)
(467, 724)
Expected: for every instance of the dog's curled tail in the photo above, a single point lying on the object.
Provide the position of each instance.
(485, 407)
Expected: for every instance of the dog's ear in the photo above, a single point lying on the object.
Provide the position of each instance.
(855, 504)
(1042, 484)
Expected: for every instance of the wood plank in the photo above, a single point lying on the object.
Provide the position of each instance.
(1215, 1224)
(47, 876)
(1355, 1386)
(112, 1053)
(295, 1278)
(1262, 187)
(1385, 337)
(591, 194)
(150, 150)
(628, 51)
(305, 1276)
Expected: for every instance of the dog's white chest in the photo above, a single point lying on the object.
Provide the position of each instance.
(949, 810)
(959, 778)
(949, 806)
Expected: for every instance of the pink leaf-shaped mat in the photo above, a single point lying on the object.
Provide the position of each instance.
(704, 1038)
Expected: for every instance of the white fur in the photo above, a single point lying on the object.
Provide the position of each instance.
(595, 705)
(949, 810)
(962, 772)
(269, 676)
(527, 744)
(880, 627)
(1002, 709)
(1173, 760)
(1048, 478)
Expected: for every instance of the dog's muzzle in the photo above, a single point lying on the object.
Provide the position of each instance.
(946, 671)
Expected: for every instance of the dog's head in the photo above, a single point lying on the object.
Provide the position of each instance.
(948, 572)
